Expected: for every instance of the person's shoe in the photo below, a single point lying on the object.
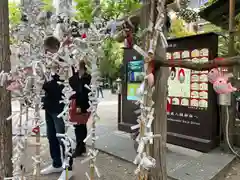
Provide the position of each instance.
(50, 169)
(63, 175)
(79, 151)
(84, 150)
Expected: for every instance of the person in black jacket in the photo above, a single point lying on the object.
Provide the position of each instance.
(77, 83)
(53, 107)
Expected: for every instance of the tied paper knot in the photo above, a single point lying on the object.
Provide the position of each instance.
(68, 144)
(146, 162)
(92, 154)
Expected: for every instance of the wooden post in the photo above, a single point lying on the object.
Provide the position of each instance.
(160, 121)
(231, 52)
(38, 142)
(230, 109)
(159, 126)
(5, 96)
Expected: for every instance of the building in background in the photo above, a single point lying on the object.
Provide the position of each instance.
(201, 22)
(196, 26)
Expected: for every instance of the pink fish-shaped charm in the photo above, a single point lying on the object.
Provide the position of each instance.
(28, 71)
(213, 75)
(221, 86)
(150, 79)
(14, 86)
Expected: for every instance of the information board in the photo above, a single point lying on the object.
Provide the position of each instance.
(136, 75)
(193, 119)
(132, 75)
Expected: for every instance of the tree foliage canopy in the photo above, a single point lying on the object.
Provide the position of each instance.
(112, 59)
(48, 5)
(178, 29)
(14, 13)
(110, 9)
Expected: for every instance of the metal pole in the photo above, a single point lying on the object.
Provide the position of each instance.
(119, 92)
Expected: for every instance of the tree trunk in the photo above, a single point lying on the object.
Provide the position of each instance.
(5, 96)
(159, 149)
(159, 96)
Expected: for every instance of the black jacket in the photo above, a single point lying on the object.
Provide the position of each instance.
(53, 94)
(78, 85)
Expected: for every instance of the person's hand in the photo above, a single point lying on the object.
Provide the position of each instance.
(78, 110)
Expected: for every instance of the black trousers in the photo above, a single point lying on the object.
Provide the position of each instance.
(56, 125)
(99, 91)
(81, 134)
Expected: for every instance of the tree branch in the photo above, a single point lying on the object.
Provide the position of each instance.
(227, 62)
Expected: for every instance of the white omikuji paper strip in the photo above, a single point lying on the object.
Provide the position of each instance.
(35, 67)
(144, 161)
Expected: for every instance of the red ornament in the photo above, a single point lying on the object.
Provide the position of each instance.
(181, 75)
(128, 38)
(151, 66)
(84, 35)
(36, 130)
(219, 58)
(168, 106)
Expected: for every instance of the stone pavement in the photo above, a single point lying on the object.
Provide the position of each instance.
(107, 112)
(182, 163)
(110, 168)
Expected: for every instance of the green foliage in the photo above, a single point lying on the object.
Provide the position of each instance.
(115, 9)
(112, 59)
(47, 5)
(110, 9)
(222, 40)
(84, 10)
(14, 17)
(209, 3)
(178, 29)
(14, 13)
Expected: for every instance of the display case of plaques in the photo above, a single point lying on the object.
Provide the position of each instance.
(193, 119)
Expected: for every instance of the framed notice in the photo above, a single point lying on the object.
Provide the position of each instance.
(193, 117)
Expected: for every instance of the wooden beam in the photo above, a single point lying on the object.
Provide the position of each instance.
(227, 62)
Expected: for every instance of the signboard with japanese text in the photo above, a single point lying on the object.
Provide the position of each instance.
(193, 117)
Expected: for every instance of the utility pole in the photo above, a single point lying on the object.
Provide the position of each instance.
(5, 96)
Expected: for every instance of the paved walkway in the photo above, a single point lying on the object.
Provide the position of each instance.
(110, 168)
(107, 111)
(182, 163)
